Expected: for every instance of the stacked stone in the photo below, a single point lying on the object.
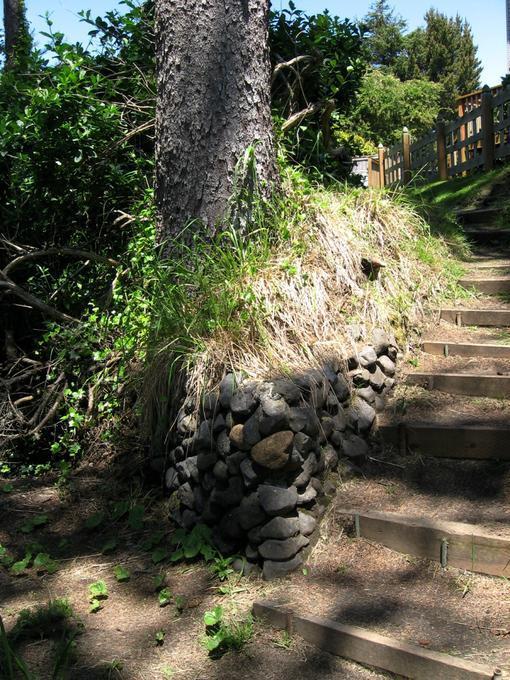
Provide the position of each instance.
(254, 467)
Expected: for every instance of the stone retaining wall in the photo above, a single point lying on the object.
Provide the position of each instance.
(259, 464)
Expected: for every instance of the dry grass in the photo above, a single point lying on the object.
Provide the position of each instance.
(312, 287)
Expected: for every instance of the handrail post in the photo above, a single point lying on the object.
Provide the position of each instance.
(406, 156)
(442, 164)
(487, 129)
(382, 179)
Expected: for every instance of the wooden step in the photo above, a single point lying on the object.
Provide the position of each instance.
(469, 442)
(477, 317)
(450, 349)
(472, 384)
(454, 544)
(372, 649)
(487, 235)
(492, 286)
(478, 215)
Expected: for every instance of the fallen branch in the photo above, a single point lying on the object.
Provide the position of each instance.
(289, 64)
(35, 303)
(59, 252)
(297, 118)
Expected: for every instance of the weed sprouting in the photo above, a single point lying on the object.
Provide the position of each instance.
(224, 634)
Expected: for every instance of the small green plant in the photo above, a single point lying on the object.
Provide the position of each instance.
(109, 546)
(7, 488)
(167, 672)
(135, 517)
(98, 592)
(30, 524)
(159, 581)
(284, 640)
(160, 554)
(121, 574)
(43, 562)
(190, 545)
(164, 597)
(221, 567)
(159, 637)
(95, 520)
(222, 635)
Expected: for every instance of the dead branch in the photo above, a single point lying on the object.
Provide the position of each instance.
(59, 252)
(35, 303)
(297, 118)
(45, 400)
(289, 64)
(51, 413)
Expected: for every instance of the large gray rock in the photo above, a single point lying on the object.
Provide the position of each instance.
(206, 460)
(361, 414)
(341, 388)
(223, 444)
(187, 424)
(236, 436)
(304, 419)
(367, 394)
(234, 462)
(309, 468)
(185, 495)
(368, 357)
(251, 431)
(188, 469)
(387, 366)
(274, 415)
(248, 473)
(230, 526)
(273, 452)
(282, 550)
(250, 512)
(243, 403)
(276, 500)
(220, 471)
(227, 389)
(307, 523)
(327, 427)
(287, 390)
(354, 446)
(377, 379)
(360, 377)
(380, 340)
(172, 479)
(219, 424)
(281, 528)
(273, 570)
(200, 499)
(204, 438)
(340, 421)
(330, 457)
(308, 496)
(229, 496)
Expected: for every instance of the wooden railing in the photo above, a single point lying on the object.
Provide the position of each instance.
(473, 141)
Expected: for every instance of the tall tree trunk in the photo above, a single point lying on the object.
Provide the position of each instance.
(13, 24)
(213, 103)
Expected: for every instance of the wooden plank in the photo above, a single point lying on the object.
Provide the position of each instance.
(484, 235)
(450, 349)
(477, 317)
(468, 546)
(372, 649)
(470, 442)
(492, 286)
(472, 384)
(479, 215)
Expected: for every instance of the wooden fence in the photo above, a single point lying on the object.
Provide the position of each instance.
(473, 141)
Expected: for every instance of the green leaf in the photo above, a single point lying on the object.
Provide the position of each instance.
(109, 546)
(152, 541)
(43, 562)
(135, 519)
(160, 637)
(159, 581)
(164, 597)
(7, 488)
(30, 524)
(95, 520)
(212, 642)
(159, 555)
(19, 567)
(211, 618)
(177, 555)
(119, 510)
(95, 606)
(121, 574)
(98, 590)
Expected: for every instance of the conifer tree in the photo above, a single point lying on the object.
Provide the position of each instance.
(385, 31)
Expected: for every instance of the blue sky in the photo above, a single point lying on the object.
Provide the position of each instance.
(487, 19)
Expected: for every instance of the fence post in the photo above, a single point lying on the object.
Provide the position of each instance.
(406, 156)
(382, 178)
(487, 129)
(442, 165)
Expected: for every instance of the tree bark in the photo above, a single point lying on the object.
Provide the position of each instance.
(13, 23)
(213, 103)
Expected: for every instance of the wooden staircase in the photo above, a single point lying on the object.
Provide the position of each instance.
(467, 354)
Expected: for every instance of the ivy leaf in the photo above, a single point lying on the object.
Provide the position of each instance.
(19, 567)
(121, 574)
(43, 562)
(159, 555)
(109, 546)
(160, 637)
(7, 488)
(177, 555)
(119, 510)
(159, 581)
(30, 524)
(212, 642)
(95, 605)
(211, 618)
(95, 520)
(164, 597)
(152, 541)
(98, 590)
(135, 519)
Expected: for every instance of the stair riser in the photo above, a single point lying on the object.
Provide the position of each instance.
(466, 549)
(487, 286)
(494, 387)
(477, 317)
(449, 442)
(451, 350)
